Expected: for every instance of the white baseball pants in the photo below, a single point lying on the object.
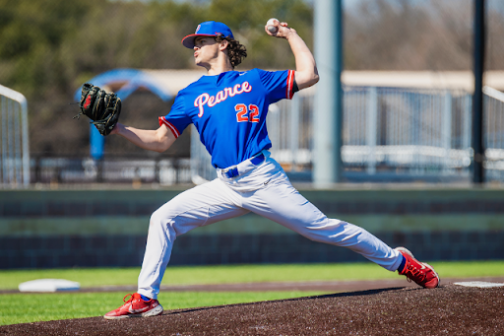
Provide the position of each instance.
(264, 190)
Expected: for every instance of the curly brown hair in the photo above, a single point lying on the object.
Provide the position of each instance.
(236, 51)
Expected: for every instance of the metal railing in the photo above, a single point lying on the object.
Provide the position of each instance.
(408, 132)
(389, 134)
(14, 159)
(137, 170)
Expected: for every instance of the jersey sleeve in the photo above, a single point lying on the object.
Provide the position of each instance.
(278, 84)
(176, 120)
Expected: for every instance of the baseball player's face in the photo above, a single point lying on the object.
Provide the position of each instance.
(205, 50)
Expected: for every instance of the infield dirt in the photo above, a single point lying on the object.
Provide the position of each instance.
(448, 310)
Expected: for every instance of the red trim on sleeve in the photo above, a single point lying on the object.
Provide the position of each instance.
(290, 85)
(163, 121)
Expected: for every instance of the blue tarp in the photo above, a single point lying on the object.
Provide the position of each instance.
(134, 79)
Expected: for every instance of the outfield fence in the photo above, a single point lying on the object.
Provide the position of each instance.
(389, 134)
(14, 159)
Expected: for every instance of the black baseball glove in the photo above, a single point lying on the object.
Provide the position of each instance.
(101, 107)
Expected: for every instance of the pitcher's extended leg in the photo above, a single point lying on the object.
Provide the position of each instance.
(282, 203)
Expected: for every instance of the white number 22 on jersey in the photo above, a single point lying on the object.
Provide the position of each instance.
(241, 113)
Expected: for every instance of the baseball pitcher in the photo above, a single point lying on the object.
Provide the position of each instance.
(229, 111)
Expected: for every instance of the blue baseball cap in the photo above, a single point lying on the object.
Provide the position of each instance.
(209, 28)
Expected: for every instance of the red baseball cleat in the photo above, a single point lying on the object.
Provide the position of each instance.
(135, 306)
(421, 273)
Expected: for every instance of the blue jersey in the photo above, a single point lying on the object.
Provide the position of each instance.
(229, 111)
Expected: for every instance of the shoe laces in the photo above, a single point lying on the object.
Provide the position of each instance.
(414, 272)
(130, 300)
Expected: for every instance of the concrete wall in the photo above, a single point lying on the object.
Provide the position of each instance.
(65, 228)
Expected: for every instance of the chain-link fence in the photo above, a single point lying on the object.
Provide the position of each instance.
(494, 134)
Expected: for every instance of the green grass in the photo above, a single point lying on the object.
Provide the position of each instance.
(46, 307)
(93, 277)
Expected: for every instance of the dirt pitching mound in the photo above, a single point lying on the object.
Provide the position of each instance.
(448, 310)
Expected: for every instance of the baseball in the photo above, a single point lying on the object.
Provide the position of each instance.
(271, 25)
